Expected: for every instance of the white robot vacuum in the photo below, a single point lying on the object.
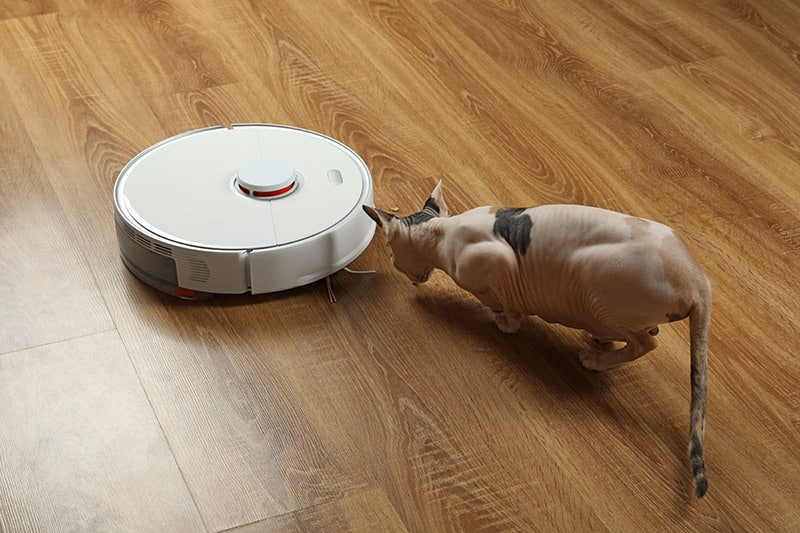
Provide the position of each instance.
(251, 208)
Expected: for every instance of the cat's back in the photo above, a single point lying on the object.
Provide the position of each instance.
(586, 225)
(563, 227)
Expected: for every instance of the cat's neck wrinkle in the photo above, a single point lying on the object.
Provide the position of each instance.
(428, 239)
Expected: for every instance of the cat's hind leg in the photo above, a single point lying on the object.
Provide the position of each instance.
(596, 343)
(636, 345)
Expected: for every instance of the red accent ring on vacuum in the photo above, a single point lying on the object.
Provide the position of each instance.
(271, 194)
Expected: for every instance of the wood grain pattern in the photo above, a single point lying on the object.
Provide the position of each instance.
(398, 408)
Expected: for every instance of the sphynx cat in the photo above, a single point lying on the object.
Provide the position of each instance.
(615, 276)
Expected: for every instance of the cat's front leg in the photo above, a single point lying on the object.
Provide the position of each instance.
(507, 322)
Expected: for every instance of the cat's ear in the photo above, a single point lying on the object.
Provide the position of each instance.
(381, 218)
(438, 198)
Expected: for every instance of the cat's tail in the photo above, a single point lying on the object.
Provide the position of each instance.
(699, 323)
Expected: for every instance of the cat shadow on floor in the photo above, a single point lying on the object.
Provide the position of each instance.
(540, 352)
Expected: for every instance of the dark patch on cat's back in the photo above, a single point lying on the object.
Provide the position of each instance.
(431, 210)
(514, 225)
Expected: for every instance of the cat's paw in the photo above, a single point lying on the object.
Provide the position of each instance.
(594, 360)
(507, 324)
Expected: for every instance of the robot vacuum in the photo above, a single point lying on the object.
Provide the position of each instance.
(252, 208)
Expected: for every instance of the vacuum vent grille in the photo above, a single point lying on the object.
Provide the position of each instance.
(145, 242)
(194, 266)
(199, 270)
(161, 249)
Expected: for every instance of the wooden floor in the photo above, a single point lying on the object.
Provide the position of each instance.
(399, 408)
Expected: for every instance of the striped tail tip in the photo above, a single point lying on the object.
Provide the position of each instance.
(700, 484)
(698, 466)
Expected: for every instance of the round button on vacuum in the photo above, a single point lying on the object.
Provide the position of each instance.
(267, 179)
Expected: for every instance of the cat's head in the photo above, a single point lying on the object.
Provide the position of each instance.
(402, 235)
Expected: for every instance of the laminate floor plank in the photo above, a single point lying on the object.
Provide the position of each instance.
(82, 449)
(44, 277)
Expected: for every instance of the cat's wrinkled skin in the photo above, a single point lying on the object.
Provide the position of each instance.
(614, 276)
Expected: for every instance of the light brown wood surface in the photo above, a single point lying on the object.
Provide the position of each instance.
(399, 408)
